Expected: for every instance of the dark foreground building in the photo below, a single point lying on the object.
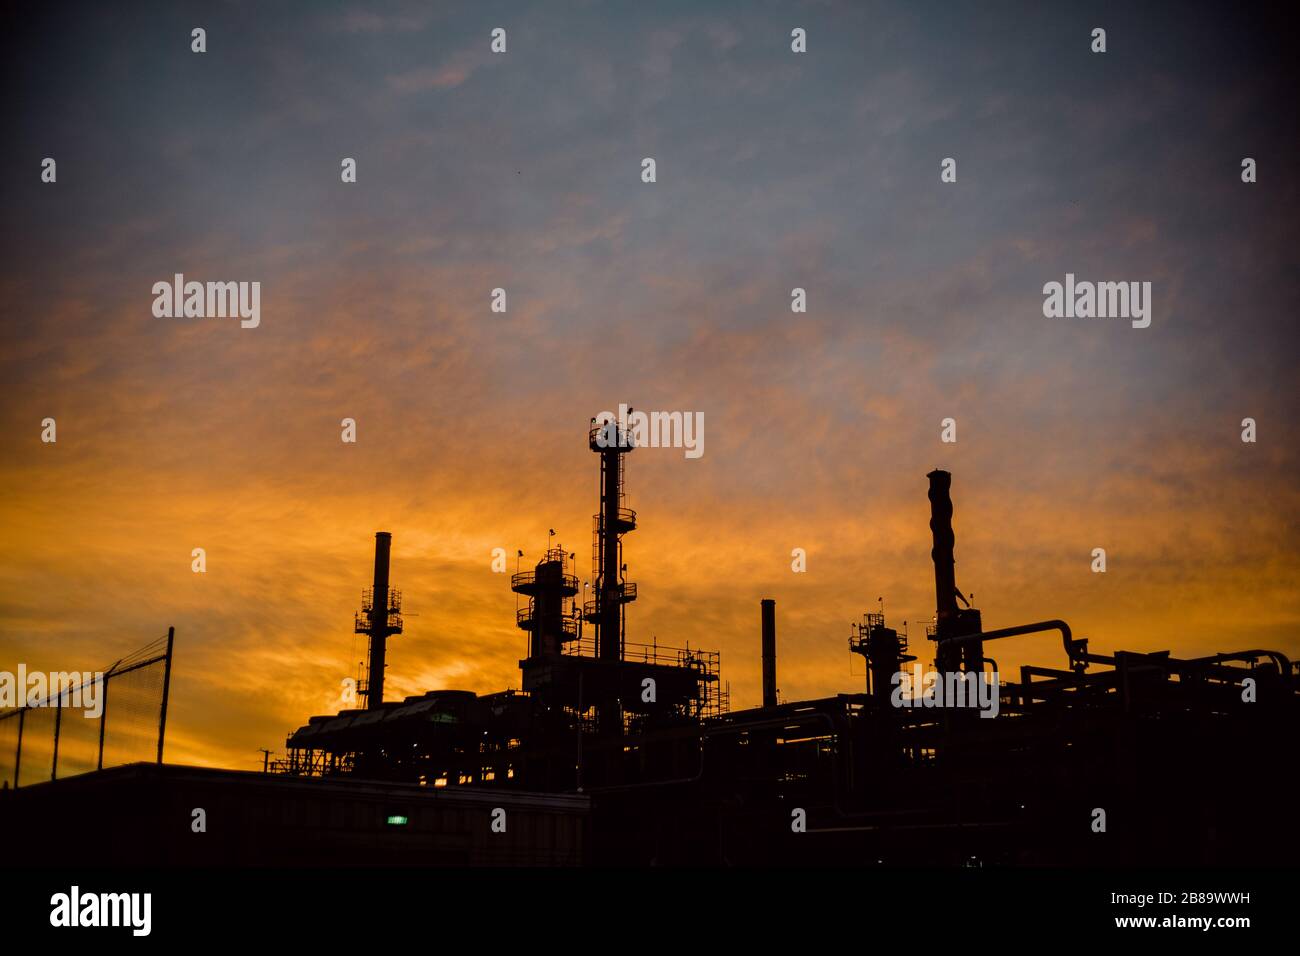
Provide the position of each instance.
(144, 814)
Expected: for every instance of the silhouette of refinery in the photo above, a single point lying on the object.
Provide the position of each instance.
(646, 731)
(622, 753)
(600, 690)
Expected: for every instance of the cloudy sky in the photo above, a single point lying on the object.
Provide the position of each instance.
(775, 170)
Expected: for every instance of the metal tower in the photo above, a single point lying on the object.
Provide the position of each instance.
(380, 617)
(611, 592)
(546, 617)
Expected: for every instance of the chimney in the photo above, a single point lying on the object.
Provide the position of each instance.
(945, 583)
(950, 620)
(379, 630)
(769, 652)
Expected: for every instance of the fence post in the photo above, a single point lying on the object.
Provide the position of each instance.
(18, 757)
(167, 680)
(103, 718)
(58, 719)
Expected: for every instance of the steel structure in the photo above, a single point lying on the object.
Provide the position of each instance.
(379, 619)
(1154, 742)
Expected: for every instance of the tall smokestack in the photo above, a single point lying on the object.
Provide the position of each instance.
(769, 652)
(378, 621)
(950, 621)
(945, 577)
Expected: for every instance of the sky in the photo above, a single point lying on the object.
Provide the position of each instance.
(522, 171)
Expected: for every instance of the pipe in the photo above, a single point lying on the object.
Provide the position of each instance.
(1075, 650)
(769, 651)
(1281, 660)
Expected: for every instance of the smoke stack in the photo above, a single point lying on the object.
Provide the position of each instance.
(950, 621)
(945, 578)
(769, 652)
(378, 621)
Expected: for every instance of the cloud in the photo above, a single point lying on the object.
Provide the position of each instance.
(359, 20)
(450, 74)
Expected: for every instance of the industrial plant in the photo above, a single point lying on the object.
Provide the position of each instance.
(614, 752)
(1118, 758)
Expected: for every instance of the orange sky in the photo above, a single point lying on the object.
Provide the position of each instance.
(98, 531)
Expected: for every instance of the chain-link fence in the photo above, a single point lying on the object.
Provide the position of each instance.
(82, 725)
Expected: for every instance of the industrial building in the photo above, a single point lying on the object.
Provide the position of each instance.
(619, 753)
(1119, 757)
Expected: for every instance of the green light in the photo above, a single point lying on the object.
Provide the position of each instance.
(397, 821)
